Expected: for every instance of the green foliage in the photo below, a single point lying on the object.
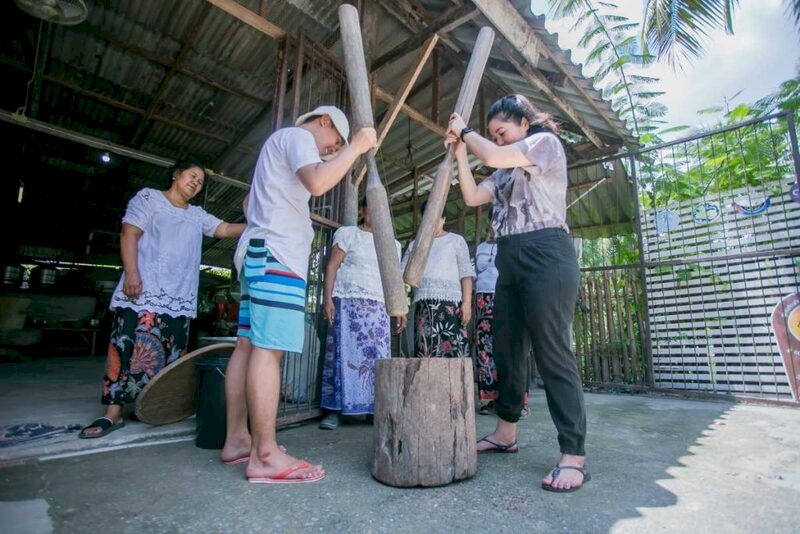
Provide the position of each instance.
(676, 30)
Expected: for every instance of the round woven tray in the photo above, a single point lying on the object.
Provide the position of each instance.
(171, 395)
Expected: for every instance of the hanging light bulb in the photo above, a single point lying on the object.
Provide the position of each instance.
(20, 192)
(105, 157)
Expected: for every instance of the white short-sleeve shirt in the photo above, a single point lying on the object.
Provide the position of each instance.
(448, 263)
(168, 254)
(277, 210)
(359, 275)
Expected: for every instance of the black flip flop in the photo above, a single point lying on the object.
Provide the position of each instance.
(497, 447)
(105, 425)
(557, 470)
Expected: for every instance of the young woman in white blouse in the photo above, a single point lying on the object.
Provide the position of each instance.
(161, 245)
(359, 332)
(443, 300)
(537, 287)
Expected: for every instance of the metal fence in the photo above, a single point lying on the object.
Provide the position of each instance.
(689, 297)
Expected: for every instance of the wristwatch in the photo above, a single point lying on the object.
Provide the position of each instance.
(464, 132)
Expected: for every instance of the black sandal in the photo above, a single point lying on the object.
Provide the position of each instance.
(105, 425)
(487, 409)
(557, 470)
(497, 447)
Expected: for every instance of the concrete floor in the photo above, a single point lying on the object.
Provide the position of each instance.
(66, 391)
(659, 465)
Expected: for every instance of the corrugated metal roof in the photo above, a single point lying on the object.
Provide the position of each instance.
(101, 78)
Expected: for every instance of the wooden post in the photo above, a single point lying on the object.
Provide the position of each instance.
(441, 184)
(424, 431)
(280, 88)
(298, 75)
(612, 335)
(435, 88)
(383, 233)
(623, 339)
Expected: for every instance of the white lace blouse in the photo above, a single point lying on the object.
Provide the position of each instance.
(358, 275)
(447, 264)
(169, 253)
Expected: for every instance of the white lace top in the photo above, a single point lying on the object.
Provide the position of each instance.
(447, 264)
(169, 253)
(358, 275)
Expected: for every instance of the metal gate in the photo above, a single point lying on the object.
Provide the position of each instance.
(717, 233)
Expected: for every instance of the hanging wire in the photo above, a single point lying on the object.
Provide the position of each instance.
(24, 108)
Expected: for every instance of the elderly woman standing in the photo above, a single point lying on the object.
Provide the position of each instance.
(443, 300)
(161, 246)
(359, 325)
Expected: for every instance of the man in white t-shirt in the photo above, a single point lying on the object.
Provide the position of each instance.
(272, 259)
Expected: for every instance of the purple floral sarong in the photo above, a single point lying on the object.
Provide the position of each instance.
(359, 336)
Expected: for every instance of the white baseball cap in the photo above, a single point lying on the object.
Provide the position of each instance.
(337, 118)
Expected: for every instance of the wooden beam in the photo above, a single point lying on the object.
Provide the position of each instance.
(250, 18)
(537, 79)
(508, 21)
(411, 112)
(298, 74)
(448, 21)
(400, 96)
(415, 20)
(280, 87)
(435, 79)
(245, 15)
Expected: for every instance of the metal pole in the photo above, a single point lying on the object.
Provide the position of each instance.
(793, 142)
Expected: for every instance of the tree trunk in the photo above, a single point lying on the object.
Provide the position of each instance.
(424, 433)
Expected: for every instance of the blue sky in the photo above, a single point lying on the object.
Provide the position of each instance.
(762, 53)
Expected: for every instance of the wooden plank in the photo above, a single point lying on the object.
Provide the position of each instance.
(297, 85)
(538, 80)
(596, 374)
(623, 340)
(605, 374)
(399, 99)
(631, 334)
(449, 20)
(435, 81)
(612, 330)
(415, 115)
(249, 17)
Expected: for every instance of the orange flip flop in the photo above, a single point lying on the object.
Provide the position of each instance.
(282, 477)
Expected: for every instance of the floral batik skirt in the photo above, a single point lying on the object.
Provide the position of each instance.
(438, 332)
(484, 361)
(360, 335)
(486, 371)
(142, 343)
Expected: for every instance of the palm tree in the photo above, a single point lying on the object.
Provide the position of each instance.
(675, 29)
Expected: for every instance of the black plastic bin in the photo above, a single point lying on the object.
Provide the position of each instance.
(210, 418)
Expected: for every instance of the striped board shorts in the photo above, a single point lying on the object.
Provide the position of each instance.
(273, 306)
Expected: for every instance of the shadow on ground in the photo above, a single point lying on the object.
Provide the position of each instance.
(659, 464)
